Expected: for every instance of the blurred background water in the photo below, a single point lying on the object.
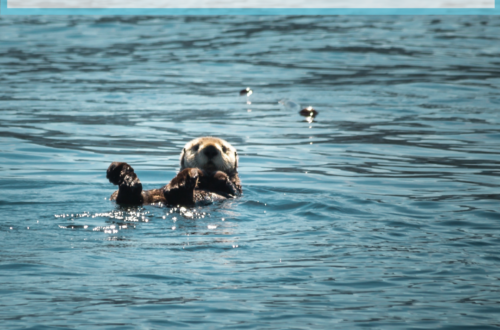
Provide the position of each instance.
(381, 213)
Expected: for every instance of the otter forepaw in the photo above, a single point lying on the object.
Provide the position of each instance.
(186, 179)
(224, 184)
(130, 187)
(117, 172)
(181, 189)
(219, 182)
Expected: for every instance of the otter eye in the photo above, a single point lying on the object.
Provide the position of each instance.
(224, 149)
(196, 147)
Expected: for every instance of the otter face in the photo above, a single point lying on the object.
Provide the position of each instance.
(210, 154)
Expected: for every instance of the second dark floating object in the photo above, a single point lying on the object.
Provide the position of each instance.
(247, 91)
(308, 112)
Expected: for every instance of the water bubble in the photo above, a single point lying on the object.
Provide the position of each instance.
(173, 227)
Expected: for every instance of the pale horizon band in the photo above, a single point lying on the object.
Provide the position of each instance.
(254, 4)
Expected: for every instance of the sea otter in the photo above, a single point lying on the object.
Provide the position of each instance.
(209, 171)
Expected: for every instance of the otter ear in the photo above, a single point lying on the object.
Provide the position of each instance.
(182, 157)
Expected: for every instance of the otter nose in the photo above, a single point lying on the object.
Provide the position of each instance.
(210, 152)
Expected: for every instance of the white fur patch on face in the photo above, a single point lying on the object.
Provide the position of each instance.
(210, 154)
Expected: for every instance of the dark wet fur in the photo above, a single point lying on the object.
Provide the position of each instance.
(129, 186)
(188, 187)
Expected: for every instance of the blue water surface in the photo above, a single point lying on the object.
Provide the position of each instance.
(380, 213)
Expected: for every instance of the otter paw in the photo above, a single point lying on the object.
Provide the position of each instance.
(181, 189)
(224, 184)
(130, 187)
(186, 179)
(132, 182)
(218, 182)
(117, 171)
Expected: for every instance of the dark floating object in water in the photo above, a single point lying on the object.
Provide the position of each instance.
(308, 112)
(247, 91)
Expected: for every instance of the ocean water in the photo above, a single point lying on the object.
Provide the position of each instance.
(380, 213)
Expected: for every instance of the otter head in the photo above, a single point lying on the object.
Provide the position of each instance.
(210, 154)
